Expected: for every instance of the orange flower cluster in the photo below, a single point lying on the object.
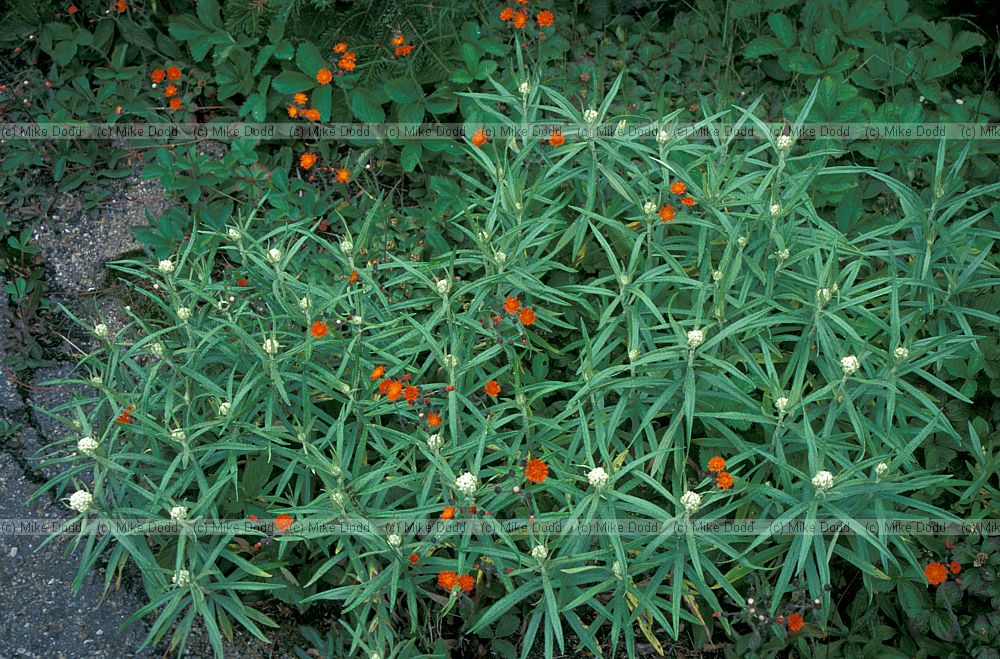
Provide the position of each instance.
(717, 466)
(283, 522)
(526, 315)
(299, 109)
(172, 73)
(120, 6)
(518, 18)
(402, 48)
(479, 138)
(536, 471)
(126, 415)
(493, 388)
(667, 212)
(396, 388)
(448, 580)
(937, 573)
(795, 622)
(318, 329)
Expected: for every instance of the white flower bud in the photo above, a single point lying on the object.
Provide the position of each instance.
(624, 279)
(824, 295)
(616, 569)
(467, 484)
(271, 346)
(598, 477)
(482, 236)
(435, 442)
(81, 501)
(234, 235)
(901, 353)
(501, 257)
(224, 408)
(785, 142)
(357, 320)
(166, 266)
(184, 314)
(781, 404)
(633, 354)
(443, 286)
(524, 88)
(157, 349)
(649, 208)
(346, 246)
(450, 361)
(784, 254)
(394, 541)
(717, 276)
(304, 304)
(96, 380)
(590, 116)
(101, 330)
(338, 499)
(742, 242)
(823, 481)
(178, 513)
(539, 552)
(882, 469)
(178, 435)
(182, 578)
(274, 255)
(87, 446)
(695, 338)
(850, 364)
(662, 137)
(691, 501)
(775, 209)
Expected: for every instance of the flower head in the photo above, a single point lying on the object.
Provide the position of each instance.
(823, 480)
(466, 582)
(377, 373)
(545, 18)
(717, 463)
(304, 304)
(479, 137)
(347, 62)
(435, 442)
(678, 187)
(178, 513)
(688, 201)
(271, 346)
(318, 329)
(394, 540)
(557, 139)
(536, 471)
(340, 47)
(343, 175)
(724, 480)
(506, 14)
(901, 353)
(539, 552)
(527, 316)
(283, 522)
(467, 484)
(157, 75)
(307, 160)
(785, 142)
(87, 445)
(598, 477)
(447, 579)
(224, 408)
(590, 116)
(795, 622)
(524, 88)
(176, 103)
(493, 388)
(394, 390)
(178, 435)
(512, 304)
(433, 419)
(850, 364)
(81, 501)
(166, 266)
(955, 567)
(324, 76)
(781, 404)
(935, 573)
(691, 501)
(101, 330)
(519, 20)
(301, 98)
(274, 255)
(667, 214)
(882, 469)
(649, 208)
(695, 338)
(182, 578)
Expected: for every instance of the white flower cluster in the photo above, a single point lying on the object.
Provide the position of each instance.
(598, 477)
(717, 276)
(616, 569)
(435, 442)
(234, 235)
(178, 513)
(157, 349)
(166, 266)
(524, 88)
(81, 501)
(178, 435)
(902, 353)
(338, 499)
(394, 541)
(224, 408)
(823, 481)
(850, 364)
(271, 346)
(443, 286)
(304, 304)
(649, 208)
(590, 116)
(87, 445)
(101, 330)
(346, 246)
(781, 404)
(274, 255)
(691, 501)
(785, 142)
(184, 314)
(633, 354)
(467, 484)
(182, 578)
(775, 209)
(501, 257)
(882, 469)
(539, 552)
(695, 338)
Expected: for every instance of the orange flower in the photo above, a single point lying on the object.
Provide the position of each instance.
(72, 9)
(433, 419)
(318, 329)
(493, 388)
(126, 415)
(242, 281)
(175, 103)
(506, 14)
(545, 18)
(795, 622)
(404, 50)
(667, 213)
(447, 579)
(724, 480)
(448, 512)
(527, 316)
(340, 47)
(520, 19)
(536, 470)
(557, 139)
(678, 188)
(955, 567)
(170, 90)
(312, 114)
(395, 390)
(353, 277)
(411, 393)
(293, 111)
(377, 372)
(120, 6)
(413, 559)
(688, 201)
(173, 73)
(343, 176)
(307, 160)
(283, 522)
(935, 573)
(511, 304)
(466, 582)
(398, 40)
(716, 464)
(157, 75)
(479, 137)
(347, 62)
(383, 386)
(301, 99)
(324, 76)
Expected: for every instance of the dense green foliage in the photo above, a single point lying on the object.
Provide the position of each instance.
(825, 306)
